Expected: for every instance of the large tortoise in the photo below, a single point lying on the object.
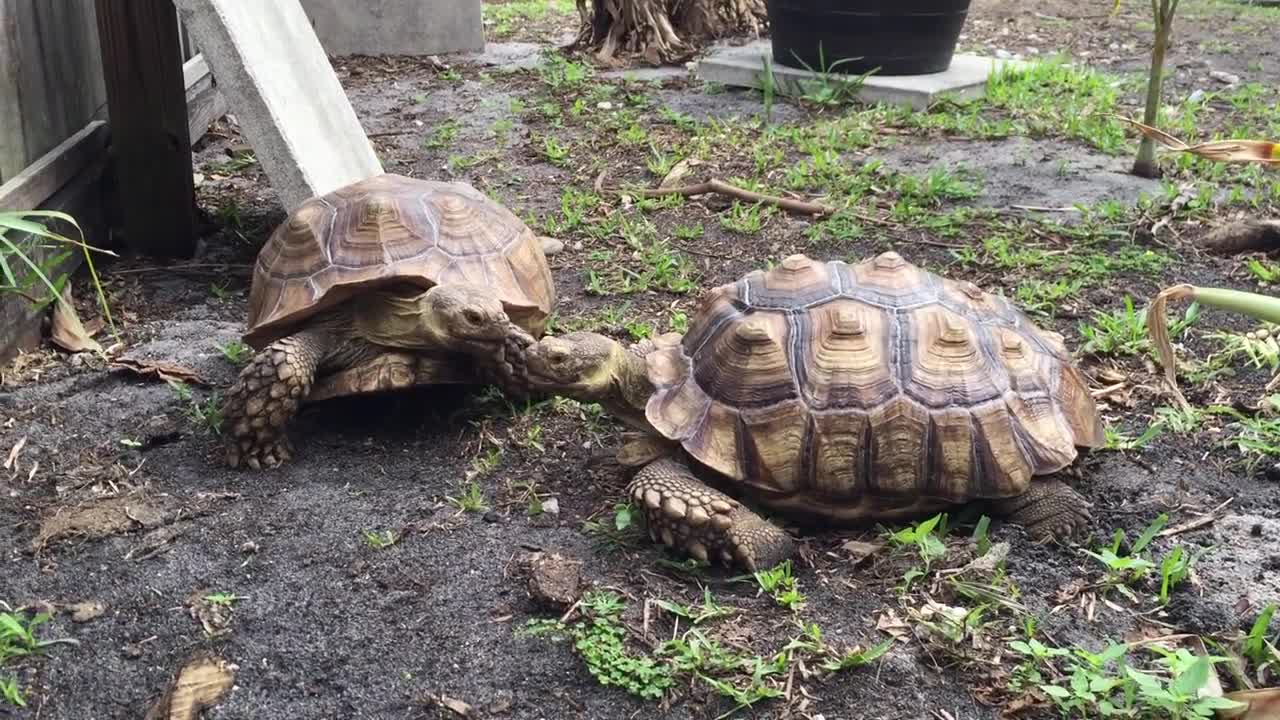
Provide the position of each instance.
(384, 284)
(838, 393)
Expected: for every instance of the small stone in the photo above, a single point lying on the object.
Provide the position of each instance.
(552, 579)
(1195, 97)
(1224, 77)
(133, 651)
(551, 506)
(552, 246)
(604, 105)
(249, 547)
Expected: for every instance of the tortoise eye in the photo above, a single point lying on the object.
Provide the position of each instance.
(471, 316)
(559, 357)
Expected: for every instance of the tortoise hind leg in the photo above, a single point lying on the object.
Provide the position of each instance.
(685, 514)
(266, 396)
(1049, 509)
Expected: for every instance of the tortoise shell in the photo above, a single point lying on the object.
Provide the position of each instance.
(391, 230)
(871, 382)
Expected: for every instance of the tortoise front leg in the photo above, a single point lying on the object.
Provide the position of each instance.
(1049, 509)
(266, 396)
(685, 514)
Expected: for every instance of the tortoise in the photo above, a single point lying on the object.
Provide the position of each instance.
(836, 393)
(383, 284)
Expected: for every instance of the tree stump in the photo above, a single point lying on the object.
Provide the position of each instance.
(662, 32)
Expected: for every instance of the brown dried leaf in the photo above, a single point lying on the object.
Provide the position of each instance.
(677, 173)
(86, 610)
(890, 623)
(67, 332)
(1263, 704)
(199, 684)
(11, 462)
(860, 550)
(159, 369)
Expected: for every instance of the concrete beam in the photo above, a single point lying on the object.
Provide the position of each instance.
(270, 67)
(397, 27)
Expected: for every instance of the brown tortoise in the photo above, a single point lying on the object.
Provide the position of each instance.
(386, 283)
(837, 392)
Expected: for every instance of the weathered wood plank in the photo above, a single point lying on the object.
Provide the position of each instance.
(13, 153)
(44, 177)
(204, 102)
(150, 133)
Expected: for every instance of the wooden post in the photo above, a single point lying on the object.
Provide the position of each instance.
(146, 100)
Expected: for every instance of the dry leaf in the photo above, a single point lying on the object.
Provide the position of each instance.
(199, 684)
(86, 610)
(890, 623)
(860, 550)
(67, 332)
(676, 173)
(1261, 704)
(1263, 152)
(159, 369)
(459, 707)
(12, 461)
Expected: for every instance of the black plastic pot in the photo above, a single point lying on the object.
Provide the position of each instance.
(892, 37)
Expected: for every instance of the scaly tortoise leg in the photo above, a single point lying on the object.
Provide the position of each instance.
(685, 514)
(1049, 509)
(266, 396)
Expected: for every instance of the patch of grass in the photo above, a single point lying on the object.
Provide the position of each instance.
(745, 218)
(471, 499)
(1110, 683)
(554, 151)
(1124, 332)
(606, 642)
(505, 18)
(380, 540)
(558, 72)
(1040, 297)
(925, 539)
(18, 640)
(442, 136)
(236, 352)
(616, 531)
(655, 264)
(781, 584)
(236, 163)
(206, 414)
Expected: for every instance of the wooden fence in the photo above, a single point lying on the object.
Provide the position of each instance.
(54, 128)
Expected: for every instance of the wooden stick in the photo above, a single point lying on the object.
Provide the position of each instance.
(719, 187)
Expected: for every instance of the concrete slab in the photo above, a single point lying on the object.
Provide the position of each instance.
(743, 66)
(276, 78)
(396, 27)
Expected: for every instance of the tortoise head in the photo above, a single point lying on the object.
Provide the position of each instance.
(457, 317)
(466, 314)
(582, 365)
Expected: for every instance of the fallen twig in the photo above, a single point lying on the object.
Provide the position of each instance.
(719, 187)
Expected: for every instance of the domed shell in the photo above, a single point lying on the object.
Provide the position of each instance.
(870, 381)
(391, 229)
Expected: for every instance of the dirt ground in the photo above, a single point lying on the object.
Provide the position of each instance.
(115, 493)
